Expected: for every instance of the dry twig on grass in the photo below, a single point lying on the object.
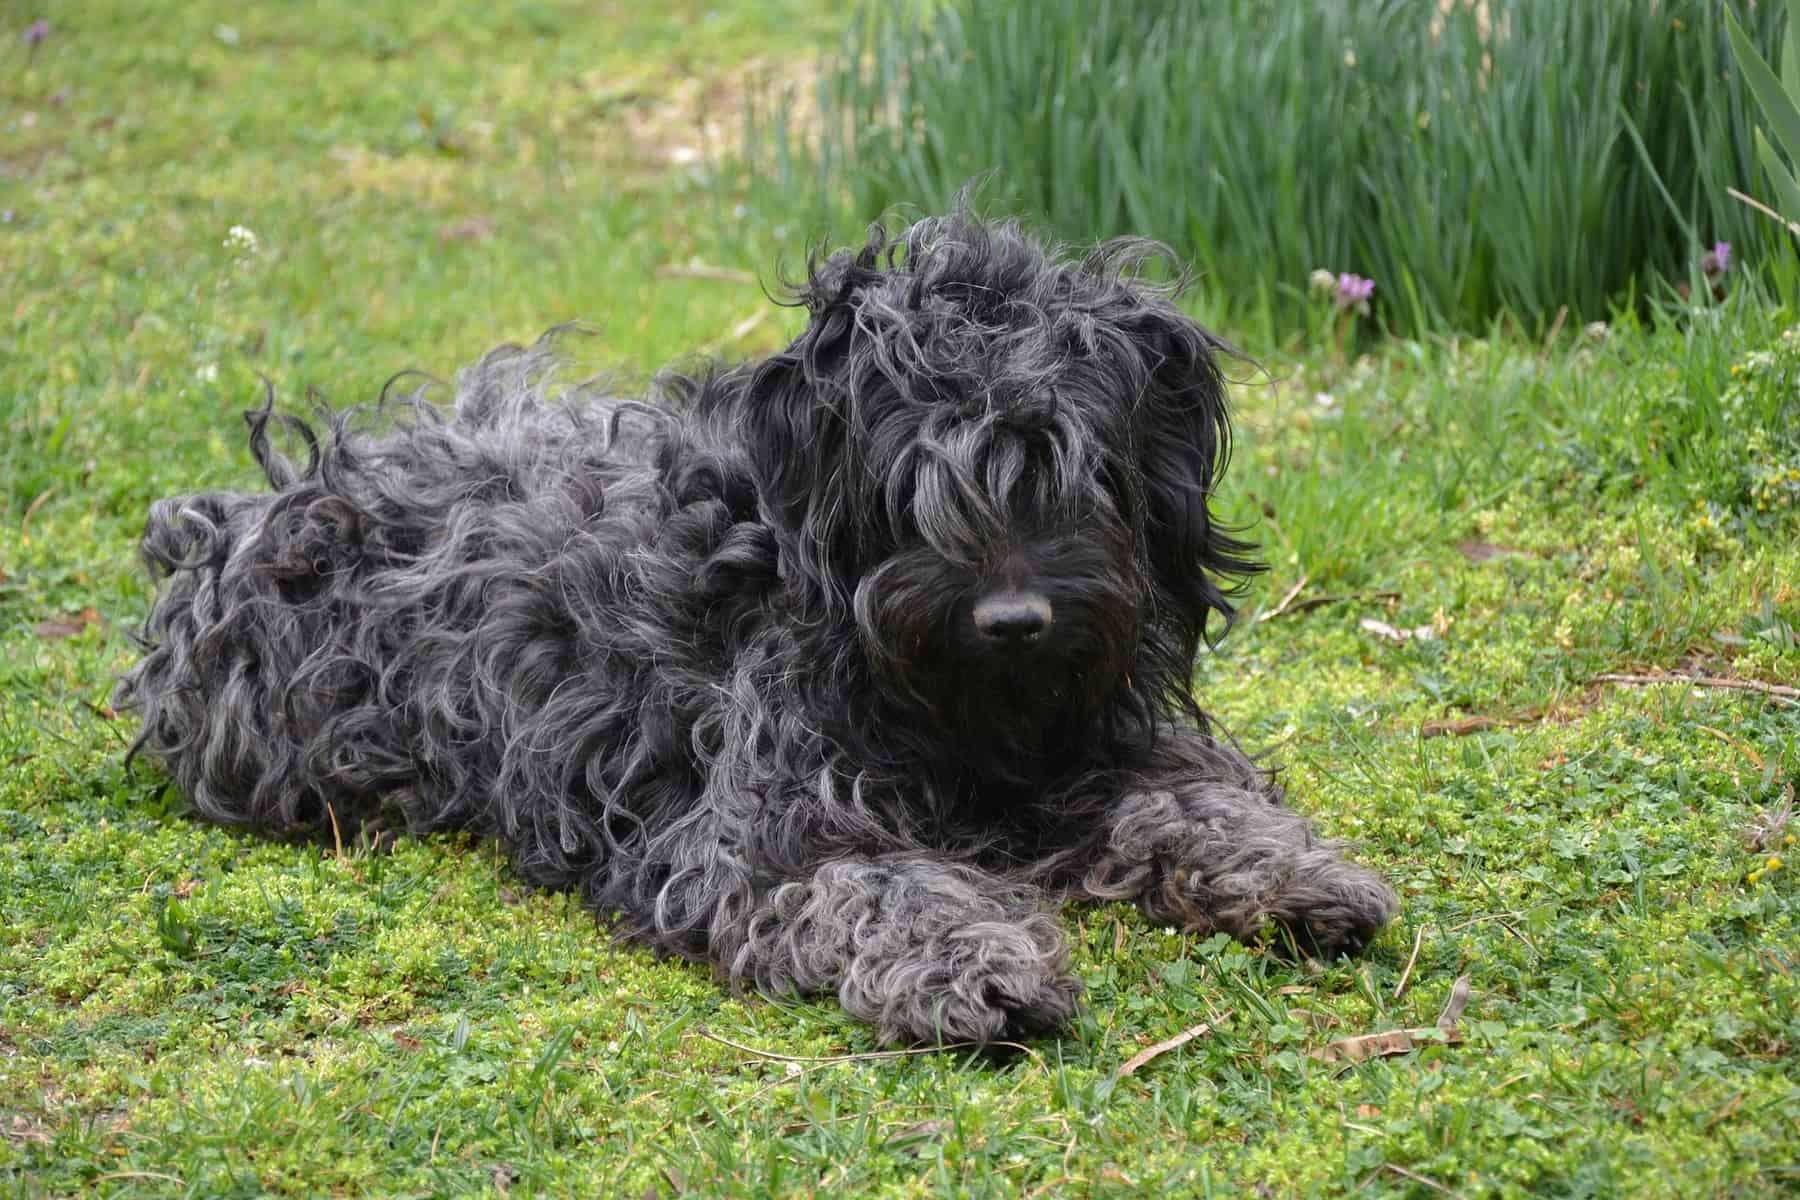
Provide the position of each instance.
(1163, 1047)
(1781, 693)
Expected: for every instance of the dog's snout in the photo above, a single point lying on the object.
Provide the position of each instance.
(1012, 618)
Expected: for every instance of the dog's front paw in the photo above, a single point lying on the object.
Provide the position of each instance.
(1325, 905)
(985, 983)
(1336, 911)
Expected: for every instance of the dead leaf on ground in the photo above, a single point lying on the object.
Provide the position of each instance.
(1768, 830)
(67, 626)
(916, 1137)
(1381, 629)
(407, 1042)
(1453, 1007)
(1467, 725)
(23, 1129)
(1365, 1046)
(469, 229)
(1480, 552)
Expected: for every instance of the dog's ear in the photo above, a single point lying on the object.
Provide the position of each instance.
(1182, 433)
(779, 432)
(796, 434)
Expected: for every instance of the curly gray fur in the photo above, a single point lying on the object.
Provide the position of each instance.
(836, 669)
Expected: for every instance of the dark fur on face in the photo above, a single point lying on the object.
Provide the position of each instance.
(964, 419)
(832, 669)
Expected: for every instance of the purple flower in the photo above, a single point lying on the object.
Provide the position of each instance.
(1353, 291)
(36, 32)
(1716, 261)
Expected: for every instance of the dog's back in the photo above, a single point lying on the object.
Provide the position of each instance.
(433, 614)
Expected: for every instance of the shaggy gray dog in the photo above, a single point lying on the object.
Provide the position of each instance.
(834, 670)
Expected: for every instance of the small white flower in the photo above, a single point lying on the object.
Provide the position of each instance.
(1595, 331)
(1324, 399)
(207, 373)
(241, 240)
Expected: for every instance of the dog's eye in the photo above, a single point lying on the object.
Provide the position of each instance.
(1114, 486)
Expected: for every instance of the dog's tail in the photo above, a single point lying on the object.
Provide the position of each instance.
(248, 647)
(310, 654)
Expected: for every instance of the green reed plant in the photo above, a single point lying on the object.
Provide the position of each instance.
(1510, 159)
(1779, 98)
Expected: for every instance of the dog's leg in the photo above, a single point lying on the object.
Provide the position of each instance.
(1200, 838)
(925, 950)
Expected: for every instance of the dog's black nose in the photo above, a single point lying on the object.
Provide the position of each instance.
(1012, 618)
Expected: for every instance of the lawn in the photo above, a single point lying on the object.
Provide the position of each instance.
(1466, 537)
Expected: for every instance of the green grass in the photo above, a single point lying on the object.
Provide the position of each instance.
(186, 1011)
(1554, 155)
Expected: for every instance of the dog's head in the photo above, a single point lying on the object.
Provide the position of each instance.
(997, 466)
